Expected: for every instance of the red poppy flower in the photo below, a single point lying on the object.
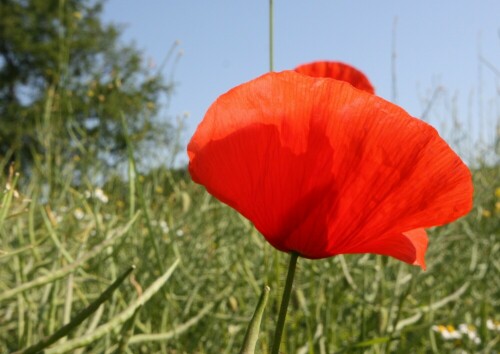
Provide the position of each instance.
(338, 71)
(322, 168)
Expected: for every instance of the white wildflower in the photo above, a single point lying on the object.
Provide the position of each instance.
(58, 218)
(470, 331)
(164, 227)
(78, 214)
(99, 194)
(447, 332)
(493, 325)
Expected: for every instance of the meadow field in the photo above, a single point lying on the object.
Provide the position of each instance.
(200, 268)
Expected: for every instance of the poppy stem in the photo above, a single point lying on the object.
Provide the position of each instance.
(285, 299)
(271, 35)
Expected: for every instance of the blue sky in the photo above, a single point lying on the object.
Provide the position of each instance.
(225, 43)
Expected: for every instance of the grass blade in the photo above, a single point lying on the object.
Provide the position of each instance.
(79, 318)
(117, 320)
(252, 334)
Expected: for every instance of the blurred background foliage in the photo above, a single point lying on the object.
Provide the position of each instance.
(66, 84)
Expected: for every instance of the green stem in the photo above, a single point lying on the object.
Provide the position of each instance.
(271, 35)
(285, 299)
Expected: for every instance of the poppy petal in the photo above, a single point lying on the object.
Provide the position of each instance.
(420, 240)
(338, 71)
(409, 247)
(322, 168)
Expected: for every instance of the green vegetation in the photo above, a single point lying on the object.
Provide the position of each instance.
(66, 82)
